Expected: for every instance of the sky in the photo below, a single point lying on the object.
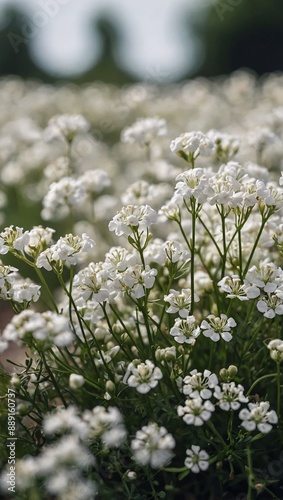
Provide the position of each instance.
(154, 41)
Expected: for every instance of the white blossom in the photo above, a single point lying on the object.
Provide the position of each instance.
(258, 416)
(142, 376)
(230, 396)
(276, 349)
(133, 217)
(153, 446)
(180, 302)
(197, 459)
(215, 327)
(144, 130)
(200, 385)
(196, 411)
(185, 330)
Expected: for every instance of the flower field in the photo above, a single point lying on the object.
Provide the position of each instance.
(141, 285)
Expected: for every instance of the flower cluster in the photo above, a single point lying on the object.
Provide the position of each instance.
(149, 362)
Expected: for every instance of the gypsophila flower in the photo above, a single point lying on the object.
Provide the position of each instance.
(65, 419)
(67, 251)
(185, 330)
(61, 196)
(276, 350)
(226, 146)
(192, 144)
(180, 302)
(13, 238)
(47, 327)
(133, 218)
(196, 411)
(200, 385)
(153, 446)
(144, 130)
(65, 127)
(8, 276)
(94, 181)
(135, 280)
(76, 381)
(230, 396)
(234, 287)
(270, 305)
(24, 291)
(258, 416)
(192, 184)
(91, 282)
(142, 376)
(197, 459)
(216, 327)
(106, 424)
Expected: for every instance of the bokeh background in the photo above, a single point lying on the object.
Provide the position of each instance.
(121, 41)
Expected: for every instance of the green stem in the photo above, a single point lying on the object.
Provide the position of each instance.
(211, 236)
(259, 380)
(193, 244)
(212, 427)
(251, 475)
(56, 386)
(46, 287)
(278, 391)
(224, 255)
(264, 220)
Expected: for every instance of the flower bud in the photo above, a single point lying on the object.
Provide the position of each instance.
(232, 370)
(76, 381)
(15, 380)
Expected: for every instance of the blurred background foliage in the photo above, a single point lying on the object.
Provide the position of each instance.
(232, 34)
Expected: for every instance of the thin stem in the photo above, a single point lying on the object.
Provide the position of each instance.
(259, 380)
(211, 236)
(224, 241)
(46, 287)
(278, 391)
(56, 386)
(264, 220)
(193, 243)
(251, 474)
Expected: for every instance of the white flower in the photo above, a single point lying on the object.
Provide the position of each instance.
(194, 143)
(76, 381)
(197, 459)
(192, 184)
(199, 385)
(142, 376)
(226, 146)
(270, 306)
(14, 238)
(106, 424)
(91, 283)
(258, 416)
(67, 251)
(65, 419)
(133, 218)
(24, 291)
(231, 396)
(276, 350)
(185, 330)
(65, 127)
(94, 181)
(180, 302)
(62, 195)
(216, 327)
(196, 411)
(144, 130)
(233, 286)
(47, 327)
(135, 280)
(153, 446)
